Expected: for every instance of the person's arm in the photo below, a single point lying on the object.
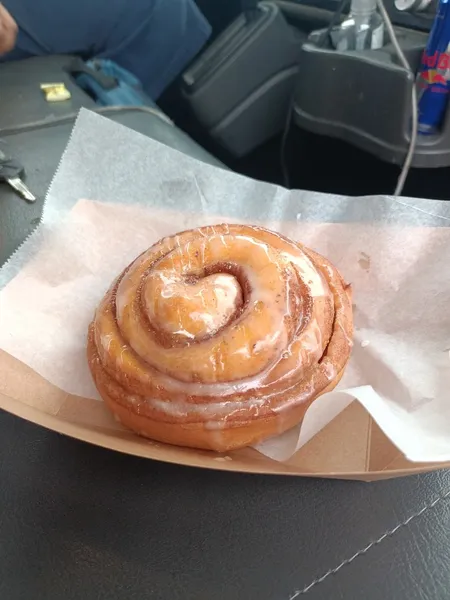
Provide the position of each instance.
(8, 31)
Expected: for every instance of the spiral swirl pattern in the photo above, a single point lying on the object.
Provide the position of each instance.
(220, 336)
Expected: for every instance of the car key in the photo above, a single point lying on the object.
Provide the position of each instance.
(10, 172)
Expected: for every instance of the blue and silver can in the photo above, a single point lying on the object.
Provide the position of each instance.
(434, 72)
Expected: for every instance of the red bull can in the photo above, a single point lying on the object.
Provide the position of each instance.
(434, 72)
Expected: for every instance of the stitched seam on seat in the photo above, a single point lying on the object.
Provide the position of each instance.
(389, 533)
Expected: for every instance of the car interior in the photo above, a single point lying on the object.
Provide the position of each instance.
(269, 98)
(288, 153)
(242, 99)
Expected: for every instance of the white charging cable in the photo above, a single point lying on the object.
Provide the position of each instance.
(414, 112)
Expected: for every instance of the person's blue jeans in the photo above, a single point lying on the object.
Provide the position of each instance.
(154, 39)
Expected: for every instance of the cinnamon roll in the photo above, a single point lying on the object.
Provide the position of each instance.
(219, 337)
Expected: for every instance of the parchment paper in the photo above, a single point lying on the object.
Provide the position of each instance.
(394, 252)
